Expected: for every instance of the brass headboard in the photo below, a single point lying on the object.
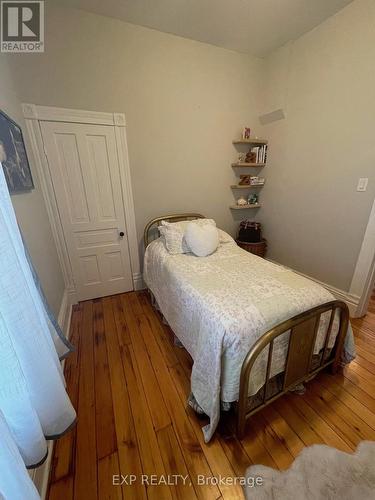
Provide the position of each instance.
(170, 218)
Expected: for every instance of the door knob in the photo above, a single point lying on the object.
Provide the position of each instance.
(121, 234)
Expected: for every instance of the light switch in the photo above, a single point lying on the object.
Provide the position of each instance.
(362, 184)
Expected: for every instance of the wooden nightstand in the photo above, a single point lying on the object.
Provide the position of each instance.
(259, 249)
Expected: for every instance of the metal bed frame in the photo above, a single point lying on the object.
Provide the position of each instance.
(303, 330)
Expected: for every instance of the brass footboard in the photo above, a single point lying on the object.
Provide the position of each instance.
(298, 367)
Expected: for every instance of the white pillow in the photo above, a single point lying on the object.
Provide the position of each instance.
(202, 240)
(173, 234)
(173, 238)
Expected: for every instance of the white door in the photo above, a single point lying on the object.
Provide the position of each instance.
(86, 179)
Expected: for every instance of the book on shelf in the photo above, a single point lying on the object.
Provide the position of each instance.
(260, 153)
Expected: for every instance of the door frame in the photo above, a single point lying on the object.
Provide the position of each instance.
(364, 274)
(34, 114)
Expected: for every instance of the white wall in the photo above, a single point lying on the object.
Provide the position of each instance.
(313, 216)
(184, 102)
(30, 209)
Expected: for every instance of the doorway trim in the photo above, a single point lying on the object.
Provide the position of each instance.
(364, 273)
(34, 114)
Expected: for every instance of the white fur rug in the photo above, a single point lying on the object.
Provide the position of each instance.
(318, 473)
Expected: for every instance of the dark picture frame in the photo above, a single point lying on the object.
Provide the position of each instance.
(13, 156)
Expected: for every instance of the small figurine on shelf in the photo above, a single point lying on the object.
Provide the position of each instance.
(244, 180)
(246, 133)
(241, 201)
(250, 157)
(253, 199)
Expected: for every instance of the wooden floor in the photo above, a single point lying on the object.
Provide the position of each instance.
(129, 384)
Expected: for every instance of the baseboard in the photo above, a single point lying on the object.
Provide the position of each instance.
(351, 300)
(138, 281)
(65, 313)
(40, 476)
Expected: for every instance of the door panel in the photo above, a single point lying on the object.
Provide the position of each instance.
(86, 178)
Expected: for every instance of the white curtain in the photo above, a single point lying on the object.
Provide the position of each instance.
(15, 482)
(33, 400)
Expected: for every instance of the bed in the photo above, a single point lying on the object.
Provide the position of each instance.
(253, 328)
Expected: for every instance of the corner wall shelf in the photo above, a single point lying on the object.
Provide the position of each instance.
(244, 207)
(254, 141)
(245, 165)
(246, 186)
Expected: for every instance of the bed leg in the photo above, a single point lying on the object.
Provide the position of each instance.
(152, 298)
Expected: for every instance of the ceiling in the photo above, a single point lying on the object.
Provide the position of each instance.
(253, 26)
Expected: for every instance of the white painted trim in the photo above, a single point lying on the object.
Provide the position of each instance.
(42, 166)
(128, 201)
(138, 281)
(33, 115)
(53, 114)
(41, 474)
(65, 314)
(350, 299)
(364, 273)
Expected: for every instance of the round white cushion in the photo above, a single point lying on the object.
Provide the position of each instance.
(202, 240)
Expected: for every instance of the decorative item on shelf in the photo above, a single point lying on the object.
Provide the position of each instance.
(241, 201)
(251, 157)
(246, 133)
(241, 158)
(253, 199)
(244, 180)
(257, 181)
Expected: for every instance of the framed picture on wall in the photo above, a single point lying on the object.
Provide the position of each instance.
(13, 156)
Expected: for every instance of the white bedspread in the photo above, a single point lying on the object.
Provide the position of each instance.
(219, 306)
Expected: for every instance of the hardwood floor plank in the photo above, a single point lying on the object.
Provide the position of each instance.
(283, 431)
(155, 400)
(175, 464)
(64, 449)
(360, 376)
(121, 326)
(356, 391)
(254, 446)
(275, 446)
(215, 455)
(340, 427)
(348, 400)
(300, 426)
(361, 361)
(106, 441)
(108, 487)
(85, 478)
(128, 453)
(319, 425)
(151, 459)
(161, 336)
(190, 446)
(130, 384)
(61, 489)
(357, 426)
